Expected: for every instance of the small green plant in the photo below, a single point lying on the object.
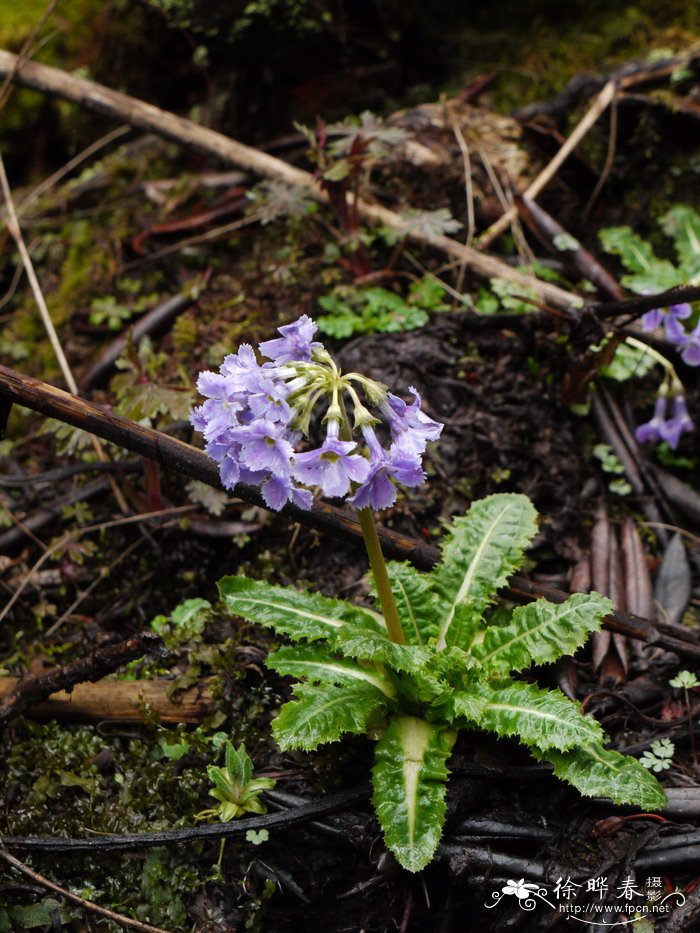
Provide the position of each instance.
(610, 464)
(235, 788)
(184, 624)
(506, 296)
(351, 310)
(658, 756)
(687, 680)
(452, 672)
(140, 396)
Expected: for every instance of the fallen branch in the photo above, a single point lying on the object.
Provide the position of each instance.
(127, 109)
(640, 303)
(176, 455)
(120, 701)
(92, 667)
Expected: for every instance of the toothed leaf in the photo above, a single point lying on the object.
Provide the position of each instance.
(482, 549)
(290, 612)
(372, 646)
(599, 772)
(316, 666)
(415, 601)
(409, 788)
(541, 632)
(543, 718)
(323, 713)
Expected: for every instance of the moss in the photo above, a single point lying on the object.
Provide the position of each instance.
(537, 47)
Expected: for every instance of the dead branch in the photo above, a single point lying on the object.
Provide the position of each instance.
(176, 455)
(92, 667)
(120, 701)
(127, 109)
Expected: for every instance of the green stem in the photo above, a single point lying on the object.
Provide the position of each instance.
(374, 552)
(381, 577)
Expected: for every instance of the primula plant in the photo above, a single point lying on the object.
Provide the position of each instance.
(433, 657)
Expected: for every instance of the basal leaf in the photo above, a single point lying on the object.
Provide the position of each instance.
(683, 224)
(324, 713)
(541, 632)
(415, 601)
(543, 718)
(409, 788)
(599, 772)
(482, 549)
(351, 642)
(317, 666)
(290, 612)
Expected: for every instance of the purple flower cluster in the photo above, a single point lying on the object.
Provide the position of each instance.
(256, 414)
(661, 428)
(688, 344)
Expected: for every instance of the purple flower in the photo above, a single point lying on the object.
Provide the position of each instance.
(660, 428)
(239, 366)
(255, 412)
(295, 344)
(409, 422)
(679, 424)
(277, 491)
(690, 354)
(332, 466)
(264, 447)
(267, 398)
(401, 464)
(658, 316)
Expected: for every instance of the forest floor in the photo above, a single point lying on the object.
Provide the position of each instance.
(526, 407)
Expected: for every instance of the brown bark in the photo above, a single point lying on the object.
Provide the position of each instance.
(120, 701)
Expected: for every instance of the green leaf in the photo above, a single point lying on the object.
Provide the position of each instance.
(481, 550)
(599, 772)
(541, 632)
(409, 788)
(415, 602)
(683, 224)
(628, 362)
(323, 713)
(317, 666)
(543, 718)
(648, 273)
(291, 612)
(238, 765)
(373, 646)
